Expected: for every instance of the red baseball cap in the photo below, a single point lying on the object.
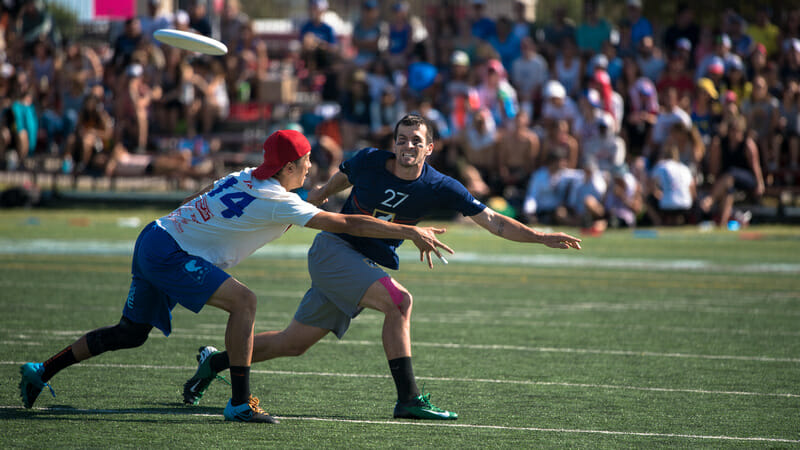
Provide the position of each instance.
(281, 147)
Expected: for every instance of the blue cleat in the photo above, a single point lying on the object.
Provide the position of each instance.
(31, 384)
(247, 412)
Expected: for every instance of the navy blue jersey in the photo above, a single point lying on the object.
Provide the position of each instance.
(378, 193)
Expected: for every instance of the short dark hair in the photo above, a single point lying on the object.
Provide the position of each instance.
(411, 120)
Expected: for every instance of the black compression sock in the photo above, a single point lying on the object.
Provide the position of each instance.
(219, 362)
(240, 384)
(403, 375)
(57, 362)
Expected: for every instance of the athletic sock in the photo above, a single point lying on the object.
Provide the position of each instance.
(58, 362)
(240, 384)
(219, 362)
(403, 375)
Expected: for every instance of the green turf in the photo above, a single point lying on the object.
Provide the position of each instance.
(682, 339)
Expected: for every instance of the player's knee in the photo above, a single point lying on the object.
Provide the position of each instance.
(125, 334)
(246, 303)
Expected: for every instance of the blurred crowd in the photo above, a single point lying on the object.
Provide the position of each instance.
(579, 121)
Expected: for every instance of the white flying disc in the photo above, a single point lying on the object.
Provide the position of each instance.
(190, 41)
(442, 259)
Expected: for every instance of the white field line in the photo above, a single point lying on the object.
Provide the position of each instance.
(494, 347)
(125, 248)
(429, 424)
(450, 379)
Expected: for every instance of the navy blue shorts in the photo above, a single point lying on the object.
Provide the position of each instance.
(163, 276)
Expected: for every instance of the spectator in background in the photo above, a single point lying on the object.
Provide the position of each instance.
(677, 76)
(684, 27)
(460, 97)
(650, 59)
(153, 20)
(132, 109)
(401, 45)
(320, 44)
(528, 74)
(558, 30)
(126, 44)
(591, 108)
(790, 64)
(368, 34)
(79, 59)
(710, 64)
(355, 116)
(604, 148)
(705, 109)
(593, 32)
(25, 129)
(505, 43)
(584, 204)
(642, 115)
(548, 188)
(788, 134)
(671, 113)
(231, 22)
(482, 26)
(216, 103)
(479, 144)
(385, 111)
(673, 190)
(559, 137)
(93, 134)
(497, 95)
(567, 68)
(517, 153)
(521, 27)
(42, 65)
(623, 202)
(640, 26)
(736, 79)
(741, 42)
(734, 164)
(762, 111)
(198, 17)
(691, 149)
(34, 23)
(557, 105)
(764, 31)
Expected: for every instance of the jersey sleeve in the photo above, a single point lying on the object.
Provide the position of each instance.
(351, 167)
(456, 197)
(294, 210)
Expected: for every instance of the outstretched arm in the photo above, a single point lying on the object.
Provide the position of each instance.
(510, 229)
(367, 226)
(337, 183)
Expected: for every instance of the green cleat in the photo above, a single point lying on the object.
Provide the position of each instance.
(196, 386)
(421, 408)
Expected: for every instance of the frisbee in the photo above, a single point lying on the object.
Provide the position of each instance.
(190, 41)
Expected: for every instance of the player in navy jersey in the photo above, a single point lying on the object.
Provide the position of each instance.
(180, 259)
(346, 273)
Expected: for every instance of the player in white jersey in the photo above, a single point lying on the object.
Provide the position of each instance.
(179, 259)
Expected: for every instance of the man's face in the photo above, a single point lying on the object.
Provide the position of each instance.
(411, 146)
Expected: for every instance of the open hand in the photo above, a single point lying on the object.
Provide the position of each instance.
(427, 242)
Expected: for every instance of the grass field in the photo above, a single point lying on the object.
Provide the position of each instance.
(667, 338)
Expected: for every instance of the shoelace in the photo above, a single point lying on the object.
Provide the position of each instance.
(51, 389)
(220, 377)
(426, 398)
(253, 402)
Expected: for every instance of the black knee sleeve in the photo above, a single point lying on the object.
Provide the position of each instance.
(125, 334)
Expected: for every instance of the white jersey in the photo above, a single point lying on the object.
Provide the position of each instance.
(235, 218)
(675, 180)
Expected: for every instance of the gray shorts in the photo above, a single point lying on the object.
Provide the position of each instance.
(340, 276)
